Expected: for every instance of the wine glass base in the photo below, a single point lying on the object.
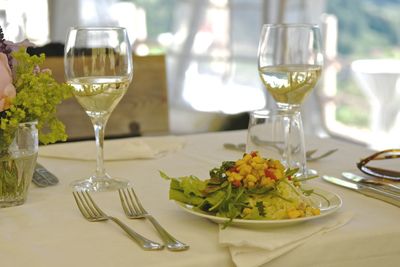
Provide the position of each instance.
(307, 173)
(99, 184)
(311, 172)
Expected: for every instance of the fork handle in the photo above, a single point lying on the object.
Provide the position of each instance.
(145, 243)
(170, 242)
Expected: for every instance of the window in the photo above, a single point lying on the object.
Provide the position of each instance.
(364, 104)
(21, 19)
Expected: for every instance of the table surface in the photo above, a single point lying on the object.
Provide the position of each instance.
(48, 230)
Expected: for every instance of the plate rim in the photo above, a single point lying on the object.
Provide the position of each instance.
(219, 220)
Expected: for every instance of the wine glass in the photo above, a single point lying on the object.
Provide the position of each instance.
(290, 63)
(98, 65)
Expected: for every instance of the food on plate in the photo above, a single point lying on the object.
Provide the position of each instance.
(253, 188)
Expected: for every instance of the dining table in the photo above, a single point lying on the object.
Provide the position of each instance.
(49, 230)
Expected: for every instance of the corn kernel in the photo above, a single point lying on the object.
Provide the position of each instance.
(251, 178)
(245, 169)
(293, 214)
(278, 173)
(264, 181)
(237, 176)
(246, 211)
(315, 211)
(259, 166)
(258, 160)
(240, 162)
(250, 184)
(247, 157)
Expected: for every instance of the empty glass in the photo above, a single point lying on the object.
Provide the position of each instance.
(277, 134)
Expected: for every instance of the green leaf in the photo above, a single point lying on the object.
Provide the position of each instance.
(291, 172)
(216, 199)
(164, 175)
(260, 207)
(181, 197)
(192, 185)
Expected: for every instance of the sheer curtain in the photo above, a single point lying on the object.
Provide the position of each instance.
(213, 59)
(213, 56)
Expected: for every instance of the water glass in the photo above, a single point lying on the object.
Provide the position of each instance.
(278, 134)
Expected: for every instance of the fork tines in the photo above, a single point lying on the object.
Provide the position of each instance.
(130, 202)
(88, 207)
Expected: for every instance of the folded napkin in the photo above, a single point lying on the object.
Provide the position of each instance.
(254, 247)
(115, 149)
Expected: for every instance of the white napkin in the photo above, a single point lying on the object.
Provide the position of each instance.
(254, 247)
(115, 149)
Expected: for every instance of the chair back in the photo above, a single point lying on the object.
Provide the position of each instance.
(142, 111)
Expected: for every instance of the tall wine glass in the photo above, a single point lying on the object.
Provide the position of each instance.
(98, 65)
(290, 63)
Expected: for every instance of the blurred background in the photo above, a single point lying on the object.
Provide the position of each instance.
(210, 48)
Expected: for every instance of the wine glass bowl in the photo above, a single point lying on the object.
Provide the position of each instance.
(290, 62)
(98, 66)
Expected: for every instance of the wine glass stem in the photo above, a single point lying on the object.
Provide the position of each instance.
(99, 129)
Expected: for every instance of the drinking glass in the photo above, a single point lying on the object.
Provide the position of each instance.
(277, 134)
(98, 65)
(290, 63)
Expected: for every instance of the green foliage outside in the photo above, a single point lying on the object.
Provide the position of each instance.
(367, 29)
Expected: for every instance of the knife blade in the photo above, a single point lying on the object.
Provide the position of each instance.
(42, 177)
(365, 190)
(372, 182)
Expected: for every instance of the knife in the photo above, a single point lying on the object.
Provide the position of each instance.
(372, 182)
(365, 190)
(42, 177)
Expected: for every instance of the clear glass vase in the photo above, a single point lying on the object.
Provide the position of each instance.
(17, 165)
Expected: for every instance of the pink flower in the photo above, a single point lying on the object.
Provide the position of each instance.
(7, 89)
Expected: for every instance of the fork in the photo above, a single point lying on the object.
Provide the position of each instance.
(134, 210)
(93, 213)
(309, 153)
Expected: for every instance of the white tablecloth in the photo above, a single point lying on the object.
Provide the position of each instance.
(48, 230)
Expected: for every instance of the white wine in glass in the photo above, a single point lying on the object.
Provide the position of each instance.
(290, 62)
(98, 65)
(290, 84)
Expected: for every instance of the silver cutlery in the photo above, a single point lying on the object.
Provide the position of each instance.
(241, 147)
(365, 190)
(371, 181)
(42, 177)
(134, 210)
(93, 213)
(310, 153)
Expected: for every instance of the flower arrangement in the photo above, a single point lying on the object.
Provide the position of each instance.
(28, 93)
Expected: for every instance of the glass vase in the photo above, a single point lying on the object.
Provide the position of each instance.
(17, 165)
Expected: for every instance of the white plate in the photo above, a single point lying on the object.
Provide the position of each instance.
(335, 202)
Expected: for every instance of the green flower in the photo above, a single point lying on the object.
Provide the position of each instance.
(36, 98)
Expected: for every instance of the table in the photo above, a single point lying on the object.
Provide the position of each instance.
(48, 230)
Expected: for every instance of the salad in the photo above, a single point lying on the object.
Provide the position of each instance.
(253, 188)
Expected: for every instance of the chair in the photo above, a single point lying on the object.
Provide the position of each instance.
(142, 111)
